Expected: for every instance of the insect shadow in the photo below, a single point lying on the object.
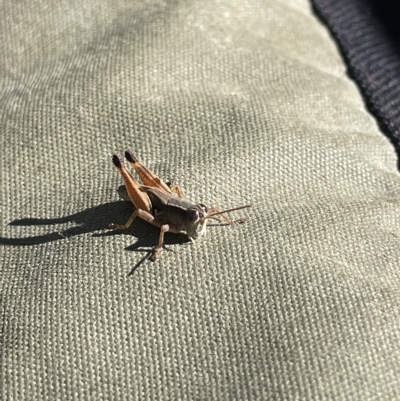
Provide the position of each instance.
(93, 220)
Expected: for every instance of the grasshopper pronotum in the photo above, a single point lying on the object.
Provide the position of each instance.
(163, 205)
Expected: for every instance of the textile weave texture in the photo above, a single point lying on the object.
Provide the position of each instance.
(238, 102)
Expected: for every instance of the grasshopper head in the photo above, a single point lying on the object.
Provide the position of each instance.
(196, 220)
(198, 215)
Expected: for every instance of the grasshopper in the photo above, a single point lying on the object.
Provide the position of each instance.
(162, 204)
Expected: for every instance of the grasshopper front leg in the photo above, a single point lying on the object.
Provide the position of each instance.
(150, 219)
(163, 229)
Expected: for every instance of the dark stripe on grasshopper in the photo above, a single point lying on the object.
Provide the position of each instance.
(130, 156)
(117, 160)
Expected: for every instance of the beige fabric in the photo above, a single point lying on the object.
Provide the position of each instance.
(239, 102)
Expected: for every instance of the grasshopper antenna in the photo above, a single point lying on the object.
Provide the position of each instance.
(211, 215)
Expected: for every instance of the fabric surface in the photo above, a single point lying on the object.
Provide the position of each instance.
(238, 102)
(368, 35)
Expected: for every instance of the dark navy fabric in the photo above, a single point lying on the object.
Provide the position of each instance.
(368, 36)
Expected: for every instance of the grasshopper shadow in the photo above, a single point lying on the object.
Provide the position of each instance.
(93, 220)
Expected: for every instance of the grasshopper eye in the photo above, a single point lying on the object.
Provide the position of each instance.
(193, 215)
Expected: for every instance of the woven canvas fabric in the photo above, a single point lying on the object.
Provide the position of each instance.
(239, 102)
(364, 33)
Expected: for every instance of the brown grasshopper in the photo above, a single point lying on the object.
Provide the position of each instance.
(163, 204)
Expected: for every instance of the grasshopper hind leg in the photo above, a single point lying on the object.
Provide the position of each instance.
(175, 189)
